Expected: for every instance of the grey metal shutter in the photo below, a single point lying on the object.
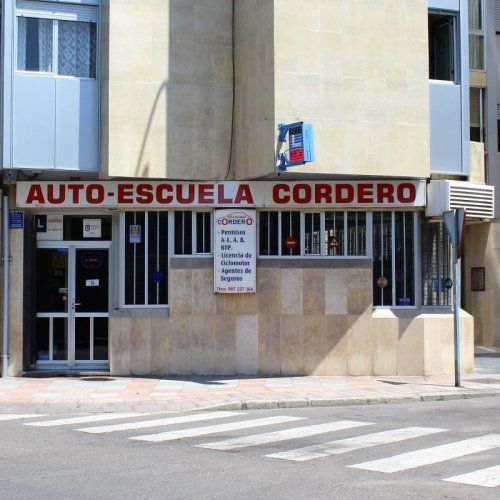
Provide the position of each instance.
(474, 107)
(497, 15)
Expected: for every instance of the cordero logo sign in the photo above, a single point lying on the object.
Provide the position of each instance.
(235, 219)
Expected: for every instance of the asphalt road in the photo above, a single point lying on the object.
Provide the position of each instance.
(57, 461)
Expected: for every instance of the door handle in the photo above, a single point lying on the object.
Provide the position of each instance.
(76, 304)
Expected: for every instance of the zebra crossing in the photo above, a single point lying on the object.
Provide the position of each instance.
(201, 425)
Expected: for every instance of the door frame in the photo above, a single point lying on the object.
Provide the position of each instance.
(71, 363)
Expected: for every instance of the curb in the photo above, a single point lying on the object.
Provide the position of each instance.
(242, 405)
(324, 403)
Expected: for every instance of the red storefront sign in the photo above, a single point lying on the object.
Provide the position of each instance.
(324, 194)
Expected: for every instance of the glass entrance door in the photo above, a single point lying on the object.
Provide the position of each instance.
(72, 307)
(90, 305)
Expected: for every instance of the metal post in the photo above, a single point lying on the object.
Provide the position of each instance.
(6, 277)
(456, 316)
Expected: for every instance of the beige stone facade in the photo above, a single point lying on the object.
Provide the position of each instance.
(482, 249)
(306, 319)
(195, 91)
(352, 68)
(166, 88)
(359, 74)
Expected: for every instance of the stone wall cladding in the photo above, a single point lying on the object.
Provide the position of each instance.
(317, 319)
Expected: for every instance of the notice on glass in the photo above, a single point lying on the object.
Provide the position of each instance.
(235, 248)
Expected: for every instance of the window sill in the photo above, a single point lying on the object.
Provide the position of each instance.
(444, 82)
(46, 74)
(149, 311)
(315, 257)
(399, 308)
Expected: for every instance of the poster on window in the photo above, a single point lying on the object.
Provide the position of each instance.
(235, 243)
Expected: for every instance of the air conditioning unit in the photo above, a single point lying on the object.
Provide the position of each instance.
(444, 195)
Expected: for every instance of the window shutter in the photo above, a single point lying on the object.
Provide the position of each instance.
(497, 15)
(474, 107)
(53, 10)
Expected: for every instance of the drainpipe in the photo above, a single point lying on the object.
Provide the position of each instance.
(6, 277)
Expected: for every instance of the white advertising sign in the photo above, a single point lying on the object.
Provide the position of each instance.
(148, 194)
(92, 228)
(235, 251)
(49, 227)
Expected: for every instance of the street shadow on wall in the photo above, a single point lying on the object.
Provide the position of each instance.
(188, 97)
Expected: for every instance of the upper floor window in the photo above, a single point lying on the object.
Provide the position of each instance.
(477, 114)
(34, 44)
(476, 35)
(62, 42)
(76, 49)
(442, 47)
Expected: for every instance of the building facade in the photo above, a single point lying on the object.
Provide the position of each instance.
(133, 131)
(482, 257)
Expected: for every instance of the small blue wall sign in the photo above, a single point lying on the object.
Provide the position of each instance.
(16, 219)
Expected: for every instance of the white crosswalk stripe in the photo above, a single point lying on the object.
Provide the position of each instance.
(11, 416)
(489, 478)
(283, 435)
(144, 424)
(433, 455)
(355, 443)
(214, 429)
(86, 419)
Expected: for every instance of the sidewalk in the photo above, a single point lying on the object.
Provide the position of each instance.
(100, 394)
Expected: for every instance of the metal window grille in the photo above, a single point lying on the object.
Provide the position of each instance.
(146, 259)
(394, 258)
(436, 265)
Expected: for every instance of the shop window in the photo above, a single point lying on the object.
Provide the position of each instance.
(72, 52)
(442, 47)
(203, 232)
(290, 233)
(145, 243)
(268, 233)
(322, 233)
(393, 259)
(356, 233)
(192, 233)
(183, 233)
(436, 265)
(312, 233)
(334, 233)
